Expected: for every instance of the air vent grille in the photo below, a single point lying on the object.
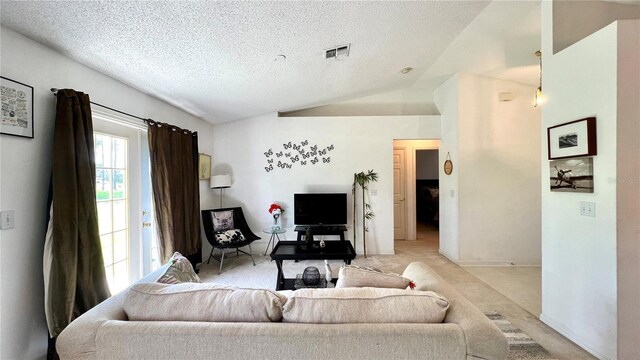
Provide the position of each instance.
(337, 52)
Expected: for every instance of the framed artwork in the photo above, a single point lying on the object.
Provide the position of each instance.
(204, 167)
(571, 175)
(17, 108)
(572, 139)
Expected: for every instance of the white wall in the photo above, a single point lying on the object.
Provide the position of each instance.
(427, 167)
(578, 252)
(361, 143)
(499, 173)
(628, 190)
(575, 20)
(447, 99)
(405, 101)
(25, 169)
(496, 172)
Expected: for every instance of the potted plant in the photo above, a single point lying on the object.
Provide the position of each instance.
(362, 179)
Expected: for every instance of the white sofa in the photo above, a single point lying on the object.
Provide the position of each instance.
(105, 333)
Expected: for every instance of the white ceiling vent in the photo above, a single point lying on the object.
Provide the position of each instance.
(337, 52)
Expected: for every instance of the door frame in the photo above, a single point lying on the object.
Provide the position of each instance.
(411, 147)
(108, 120)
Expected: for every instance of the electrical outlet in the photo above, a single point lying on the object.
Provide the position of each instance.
(588, 208)
(373, 192)
(6, 220)
(453, 193)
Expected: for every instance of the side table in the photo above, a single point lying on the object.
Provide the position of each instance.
(275, 235)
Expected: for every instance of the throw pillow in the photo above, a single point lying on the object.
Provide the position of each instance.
(229, 236)
(364, 305)
(179, 271)
(222, 220)
(205, 302)
(355, 276)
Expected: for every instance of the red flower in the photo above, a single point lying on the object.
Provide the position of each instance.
(412, 285)
(275, 207)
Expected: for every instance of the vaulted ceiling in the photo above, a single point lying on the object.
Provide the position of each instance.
(217, 60)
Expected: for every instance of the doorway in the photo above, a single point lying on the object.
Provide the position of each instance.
(427, 197)
(408, 192)
(124, 202)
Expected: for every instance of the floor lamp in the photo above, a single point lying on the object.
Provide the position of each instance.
(220, 182)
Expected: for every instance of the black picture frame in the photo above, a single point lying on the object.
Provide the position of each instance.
(572, 139)
(14, 113)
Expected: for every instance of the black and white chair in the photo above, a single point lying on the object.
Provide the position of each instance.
(227, 229)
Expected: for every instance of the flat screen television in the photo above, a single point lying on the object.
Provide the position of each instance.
(320, 209)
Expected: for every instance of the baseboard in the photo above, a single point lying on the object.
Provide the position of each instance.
(448, 257)
(573, 337)
(499, 263)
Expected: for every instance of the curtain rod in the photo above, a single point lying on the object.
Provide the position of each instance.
(55, 92)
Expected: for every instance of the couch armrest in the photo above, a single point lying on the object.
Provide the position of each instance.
(484, 339)
(77, 340)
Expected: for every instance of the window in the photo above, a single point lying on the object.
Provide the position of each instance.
(113, 207)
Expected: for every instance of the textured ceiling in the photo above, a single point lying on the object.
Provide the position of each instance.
(216, 59)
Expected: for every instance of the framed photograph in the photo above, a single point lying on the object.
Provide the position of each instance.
(204, 167)
(572, 139)
(572, 175)
(17, 108)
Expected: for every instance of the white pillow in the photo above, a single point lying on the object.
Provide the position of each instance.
(229, 236)
(355, 276)
(201, 302)
(364, 305)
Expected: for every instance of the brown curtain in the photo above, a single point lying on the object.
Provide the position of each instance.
(75, 279)
(176, 195)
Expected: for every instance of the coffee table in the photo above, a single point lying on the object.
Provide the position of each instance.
(296, 250)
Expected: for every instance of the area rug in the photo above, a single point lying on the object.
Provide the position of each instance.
(521, 345)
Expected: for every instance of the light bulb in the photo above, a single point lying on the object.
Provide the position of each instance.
(539, 99)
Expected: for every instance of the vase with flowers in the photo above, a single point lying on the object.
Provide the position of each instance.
(276, 211)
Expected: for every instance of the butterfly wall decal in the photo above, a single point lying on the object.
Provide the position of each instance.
(279, 154)
(303, 162)
(268, 153)
(270, 161)
(269, 168)
(326, 160)
(330, 147)
(287, 145)
(305, 143)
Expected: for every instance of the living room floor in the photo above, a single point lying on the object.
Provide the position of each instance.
(239, 272)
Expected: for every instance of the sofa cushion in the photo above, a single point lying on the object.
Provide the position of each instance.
(229, 236)
(179, 271)
(201, 302)
(364, 305)
(355, 276)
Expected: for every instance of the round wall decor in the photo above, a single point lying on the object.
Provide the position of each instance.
(448, 165)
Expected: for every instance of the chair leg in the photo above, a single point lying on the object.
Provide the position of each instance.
(251, 252)
(237, 252)
(221, 261)
(210, 255)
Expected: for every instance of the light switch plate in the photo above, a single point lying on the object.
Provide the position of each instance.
(373, 192)
(588, 208)
(6, 219)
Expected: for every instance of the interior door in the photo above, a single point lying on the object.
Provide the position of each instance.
(399, 191)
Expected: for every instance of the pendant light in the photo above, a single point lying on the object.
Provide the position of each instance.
(538, 97)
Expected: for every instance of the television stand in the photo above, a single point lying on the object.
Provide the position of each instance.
(321, 230)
